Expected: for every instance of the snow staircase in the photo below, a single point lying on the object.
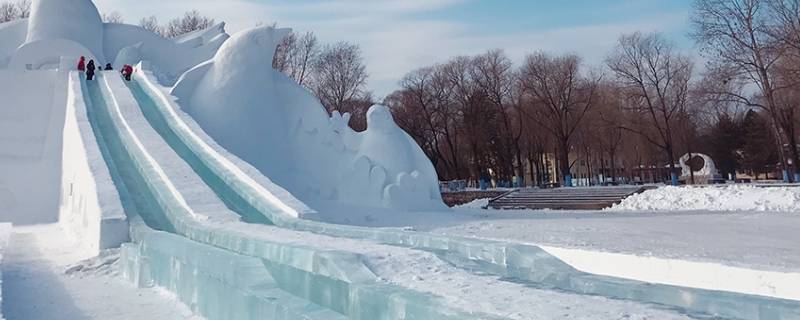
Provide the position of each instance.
(564, 198)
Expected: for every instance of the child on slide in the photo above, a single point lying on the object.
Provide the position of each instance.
(82, 64)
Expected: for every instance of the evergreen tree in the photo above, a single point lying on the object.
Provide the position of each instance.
(726, 140)
(759, 153)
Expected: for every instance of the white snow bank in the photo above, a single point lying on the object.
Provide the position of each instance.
(91, 211)
(474, 204)
(727, 198)
(266, 119)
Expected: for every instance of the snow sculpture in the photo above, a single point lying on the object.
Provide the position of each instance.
(60, 31)
(69, 28)
(700, 166)
(281, 129)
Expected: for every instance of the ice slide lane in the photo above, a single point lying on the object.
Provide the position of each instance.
(214, 282)
(516, 262)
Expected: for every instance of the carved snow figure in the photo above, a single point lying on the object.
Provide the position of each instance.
(277, 126)
(398, 158)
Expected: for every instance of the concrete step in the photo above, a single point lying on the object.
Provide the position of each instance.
(564, 198)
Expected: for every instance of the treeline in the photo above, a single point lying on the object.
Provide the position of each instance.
(10, 11)
(642, 109)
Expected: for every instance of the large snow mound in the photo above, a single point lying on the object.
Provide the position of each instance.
(728, 198)
(263, 117)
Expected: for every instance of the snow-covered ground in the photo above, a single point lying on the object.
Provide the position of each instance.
(46, 277)
(715, 198)
(747, 239)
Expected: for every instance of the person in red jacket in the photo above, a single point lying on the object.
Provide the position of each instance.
(127, 72)
(82, 64)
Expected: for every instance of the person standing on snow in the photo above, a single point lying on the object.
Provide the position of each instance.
(108, 67)
(82, 64)
(90, 70)
(127, 72)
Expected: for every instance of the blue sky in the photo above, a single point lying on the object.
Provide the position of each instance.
(398, 36)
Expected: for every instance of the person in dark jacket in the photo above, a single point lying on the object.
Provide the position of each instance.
(90, 70)
(109, 67)
(82, 64)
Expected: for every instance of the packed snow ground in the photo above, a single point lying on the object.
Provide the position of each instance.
(46, 277)
(715, 198)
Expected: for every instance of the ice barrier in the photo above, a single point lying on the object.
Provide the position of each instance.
(517, 262)
(338, 281)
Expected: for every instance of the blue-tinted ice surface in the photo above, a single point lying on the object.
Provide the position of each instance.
(254, 278)
(524, 263)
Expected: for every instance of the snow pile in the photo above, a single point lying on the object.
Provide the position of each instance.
(728, 198)
(475, 204)
(266, 119)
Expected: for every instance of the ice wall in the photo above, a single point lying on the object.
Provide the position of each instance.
(263, 117)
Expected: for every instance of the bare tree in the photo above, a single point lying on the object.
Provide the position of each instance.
(494, 74)
(296, 55)
(657, 78)
(151, 24)
(739, 35)
(560, 99)
(113, 17)
(8, 12)
(190, 22)
(23, 8)
(339, 76)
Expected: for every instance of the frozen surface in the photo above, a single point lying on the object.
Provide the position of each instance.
(31, 124)
(46, 277)
(277, 126)
(715, 198)
(754, 240)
